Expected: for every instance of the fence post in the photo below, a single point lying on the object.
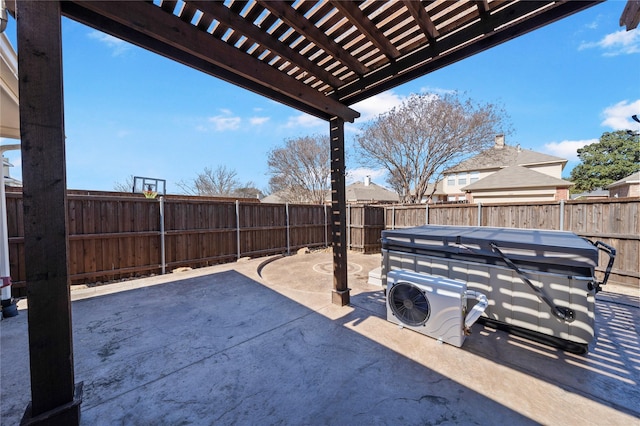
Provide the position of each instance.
(479, 214)
(426, 213)
(393, 216)
(562, 215)
(286, 207)
(238, 226)
(348, 226)
(162, 234)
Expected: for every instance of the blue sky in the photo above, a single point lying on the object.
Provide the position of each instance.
(131, 112)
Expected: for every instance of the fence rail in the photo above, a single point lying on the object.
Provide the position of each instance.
(112, 237)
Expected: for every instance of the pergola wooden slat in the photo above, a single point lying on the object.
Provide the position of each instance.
(317, 56)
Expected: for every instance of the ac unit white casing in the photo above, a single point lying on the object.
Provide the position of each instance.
(430, 305)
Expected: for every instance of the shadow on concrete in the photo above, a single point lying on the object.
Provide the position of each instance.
(608, 373)
(224, 349)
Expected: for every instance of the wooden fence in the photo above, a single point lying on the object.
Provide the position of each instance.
(615, 222)
(112, 237)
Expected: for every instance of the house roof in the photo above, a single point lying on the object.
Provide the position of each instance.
(320, 57)
(506, 156)
(285, 196)
(439, 190)
(516, 177)
(596, 193)
(275, 198)
(358, 192)
(632, 178)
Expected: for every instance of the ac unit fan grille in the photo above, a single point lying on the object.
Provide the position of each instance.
(409, 304)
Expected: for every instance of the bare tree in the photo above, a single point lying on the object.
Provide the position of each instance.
(221, 182)
(300, 170)
(416, 141)
(126, 186)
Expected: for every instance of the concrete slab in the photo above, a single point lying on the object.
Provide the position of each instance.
(260, 343)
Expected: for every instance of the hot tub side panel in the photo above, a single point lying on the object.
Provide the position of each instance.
(511, 301)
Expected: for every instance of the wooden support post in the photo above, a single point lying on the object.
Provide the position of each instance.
(54, 397)
(340, 294)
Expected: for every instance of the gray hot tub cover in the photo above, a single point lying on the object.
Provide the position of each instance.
(545, 248)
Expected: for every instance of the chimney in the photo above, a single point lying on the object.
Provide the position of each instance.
(499, 142)
(367, 180)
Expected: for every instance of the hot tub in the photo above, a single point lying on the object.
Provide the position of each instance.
(539, 283)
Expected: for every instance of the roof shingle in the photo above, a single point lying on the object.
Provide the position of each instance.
(496, 158)
(517, 177)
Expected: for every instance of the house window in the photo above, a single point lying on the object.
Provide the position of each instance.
(474, 177)
(462, 179)
(451, 180)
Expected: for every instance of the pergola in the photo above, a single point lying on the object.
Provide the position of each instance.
(318, 56)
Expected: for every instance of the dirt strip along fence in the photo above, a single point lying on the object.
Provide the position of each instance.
(114, 237)
(615, 222)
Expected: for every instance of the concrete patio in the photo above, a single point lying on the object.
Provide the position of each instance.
(258, 342)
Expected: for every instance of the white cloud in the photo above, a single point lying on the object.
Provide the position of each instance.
(437, 90)
(256, 121)
(567, 149)
(619, 43)
(593, 25)
(222, 122)
(358, 174)
(618, 116)
(306, 121)
(117, 46)
(376, 105)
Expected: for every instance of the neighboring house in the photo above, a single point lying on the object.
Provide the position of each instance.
(284, 197)
(367, 192)
(504, 174)
(275, 198)
(627, 187)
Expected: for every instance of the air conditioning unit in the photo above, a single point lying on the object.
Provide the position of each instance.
(433, 306)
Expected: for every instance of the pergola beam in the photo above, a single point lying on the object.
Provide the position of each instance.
(630, 17)
(247, 71)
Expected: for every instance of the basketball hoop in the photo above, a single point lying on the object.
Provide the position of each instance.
(149, 187)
